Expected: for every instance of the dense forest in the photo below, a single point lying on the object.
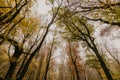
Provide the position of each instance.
(75, 40)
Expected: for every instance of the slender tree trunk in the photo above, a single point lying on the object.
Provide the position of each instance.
(74, 62)
(37, 75)
(22, 65)
(48, 60)
(76, 70)
(102, 63)
(46, 70)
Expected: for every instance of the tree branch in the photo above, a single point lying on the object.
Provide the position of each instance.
(104, 21)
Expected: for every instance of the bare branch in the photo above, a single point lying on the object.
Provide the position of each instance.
(102, 20)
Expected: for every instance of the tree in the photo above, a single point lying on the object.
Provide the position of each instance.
(81, 30)
(13, 19)
(99, 10)
(48, 59)
(93, 62)
(74, 59)
(27, 53)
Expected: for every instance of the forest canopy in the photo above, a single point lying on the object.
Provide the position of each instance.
(74, 40)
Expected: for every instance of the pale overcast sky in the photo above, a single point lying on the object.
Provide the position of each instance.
(42, 8)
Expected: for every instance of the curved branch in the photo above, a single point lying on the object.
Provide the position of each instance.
(13, 42)
(104, 21)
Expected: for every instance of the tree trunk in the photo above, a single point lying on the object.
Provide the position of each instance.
(13, 63)
(11, 70)
(76, 71)
(37, 75)
(102, 63)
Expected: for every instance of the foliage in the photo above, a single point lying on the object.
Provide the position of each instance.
(27, 52)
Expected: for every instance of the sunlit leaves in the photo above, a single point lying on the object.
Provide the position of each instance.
(75, 24)
(92, 61)
(51, 1)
